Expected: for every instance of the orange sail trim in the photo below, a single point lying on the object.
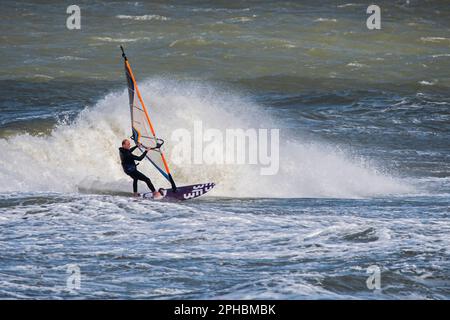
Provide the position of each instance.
(140, 97)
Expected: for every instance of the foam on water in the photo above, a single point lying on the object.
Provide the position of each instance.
(143, 17)
(236, 249)
(83, 154)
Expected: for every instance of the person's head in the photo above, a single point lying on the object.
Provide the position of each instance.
(126, 144)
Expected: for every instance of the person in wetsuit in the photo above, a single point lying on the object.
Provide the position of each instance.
(128, 159)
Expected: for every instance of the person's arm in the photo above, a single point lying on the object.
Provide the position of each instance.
(139, 158)
(133, 148)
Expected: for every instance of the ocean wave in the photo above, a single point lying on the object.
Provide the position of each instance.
(325, 20)
(427, 83)
(189, 41)
(41, 76)
(146, 17)
(434, 39)
(308, 168)
(70, 58)
(241, 19)
(348, 5)
(119, 40)
(356, 65)
(219, 9)
(440, 55)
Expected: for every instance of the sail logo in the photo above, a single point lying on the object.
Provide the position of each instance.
(198, 190)
(227, 147)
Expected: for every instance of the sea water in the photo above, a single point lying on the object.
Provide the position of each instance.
(364, 162)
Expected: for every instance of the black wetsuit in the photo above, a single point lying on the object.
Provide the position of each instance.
(129, 167)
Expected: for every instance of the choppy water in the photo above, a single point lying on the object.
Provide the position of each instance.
(364, 153)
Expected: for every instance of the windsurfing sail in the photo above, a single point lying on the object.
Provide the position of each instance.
(143, 132)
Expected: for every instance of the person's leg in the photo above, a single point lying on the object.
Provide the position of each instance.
(140, 176)
(135, 181)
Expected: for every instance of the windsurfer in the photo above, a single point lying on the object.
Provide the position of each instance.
(129, 167)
